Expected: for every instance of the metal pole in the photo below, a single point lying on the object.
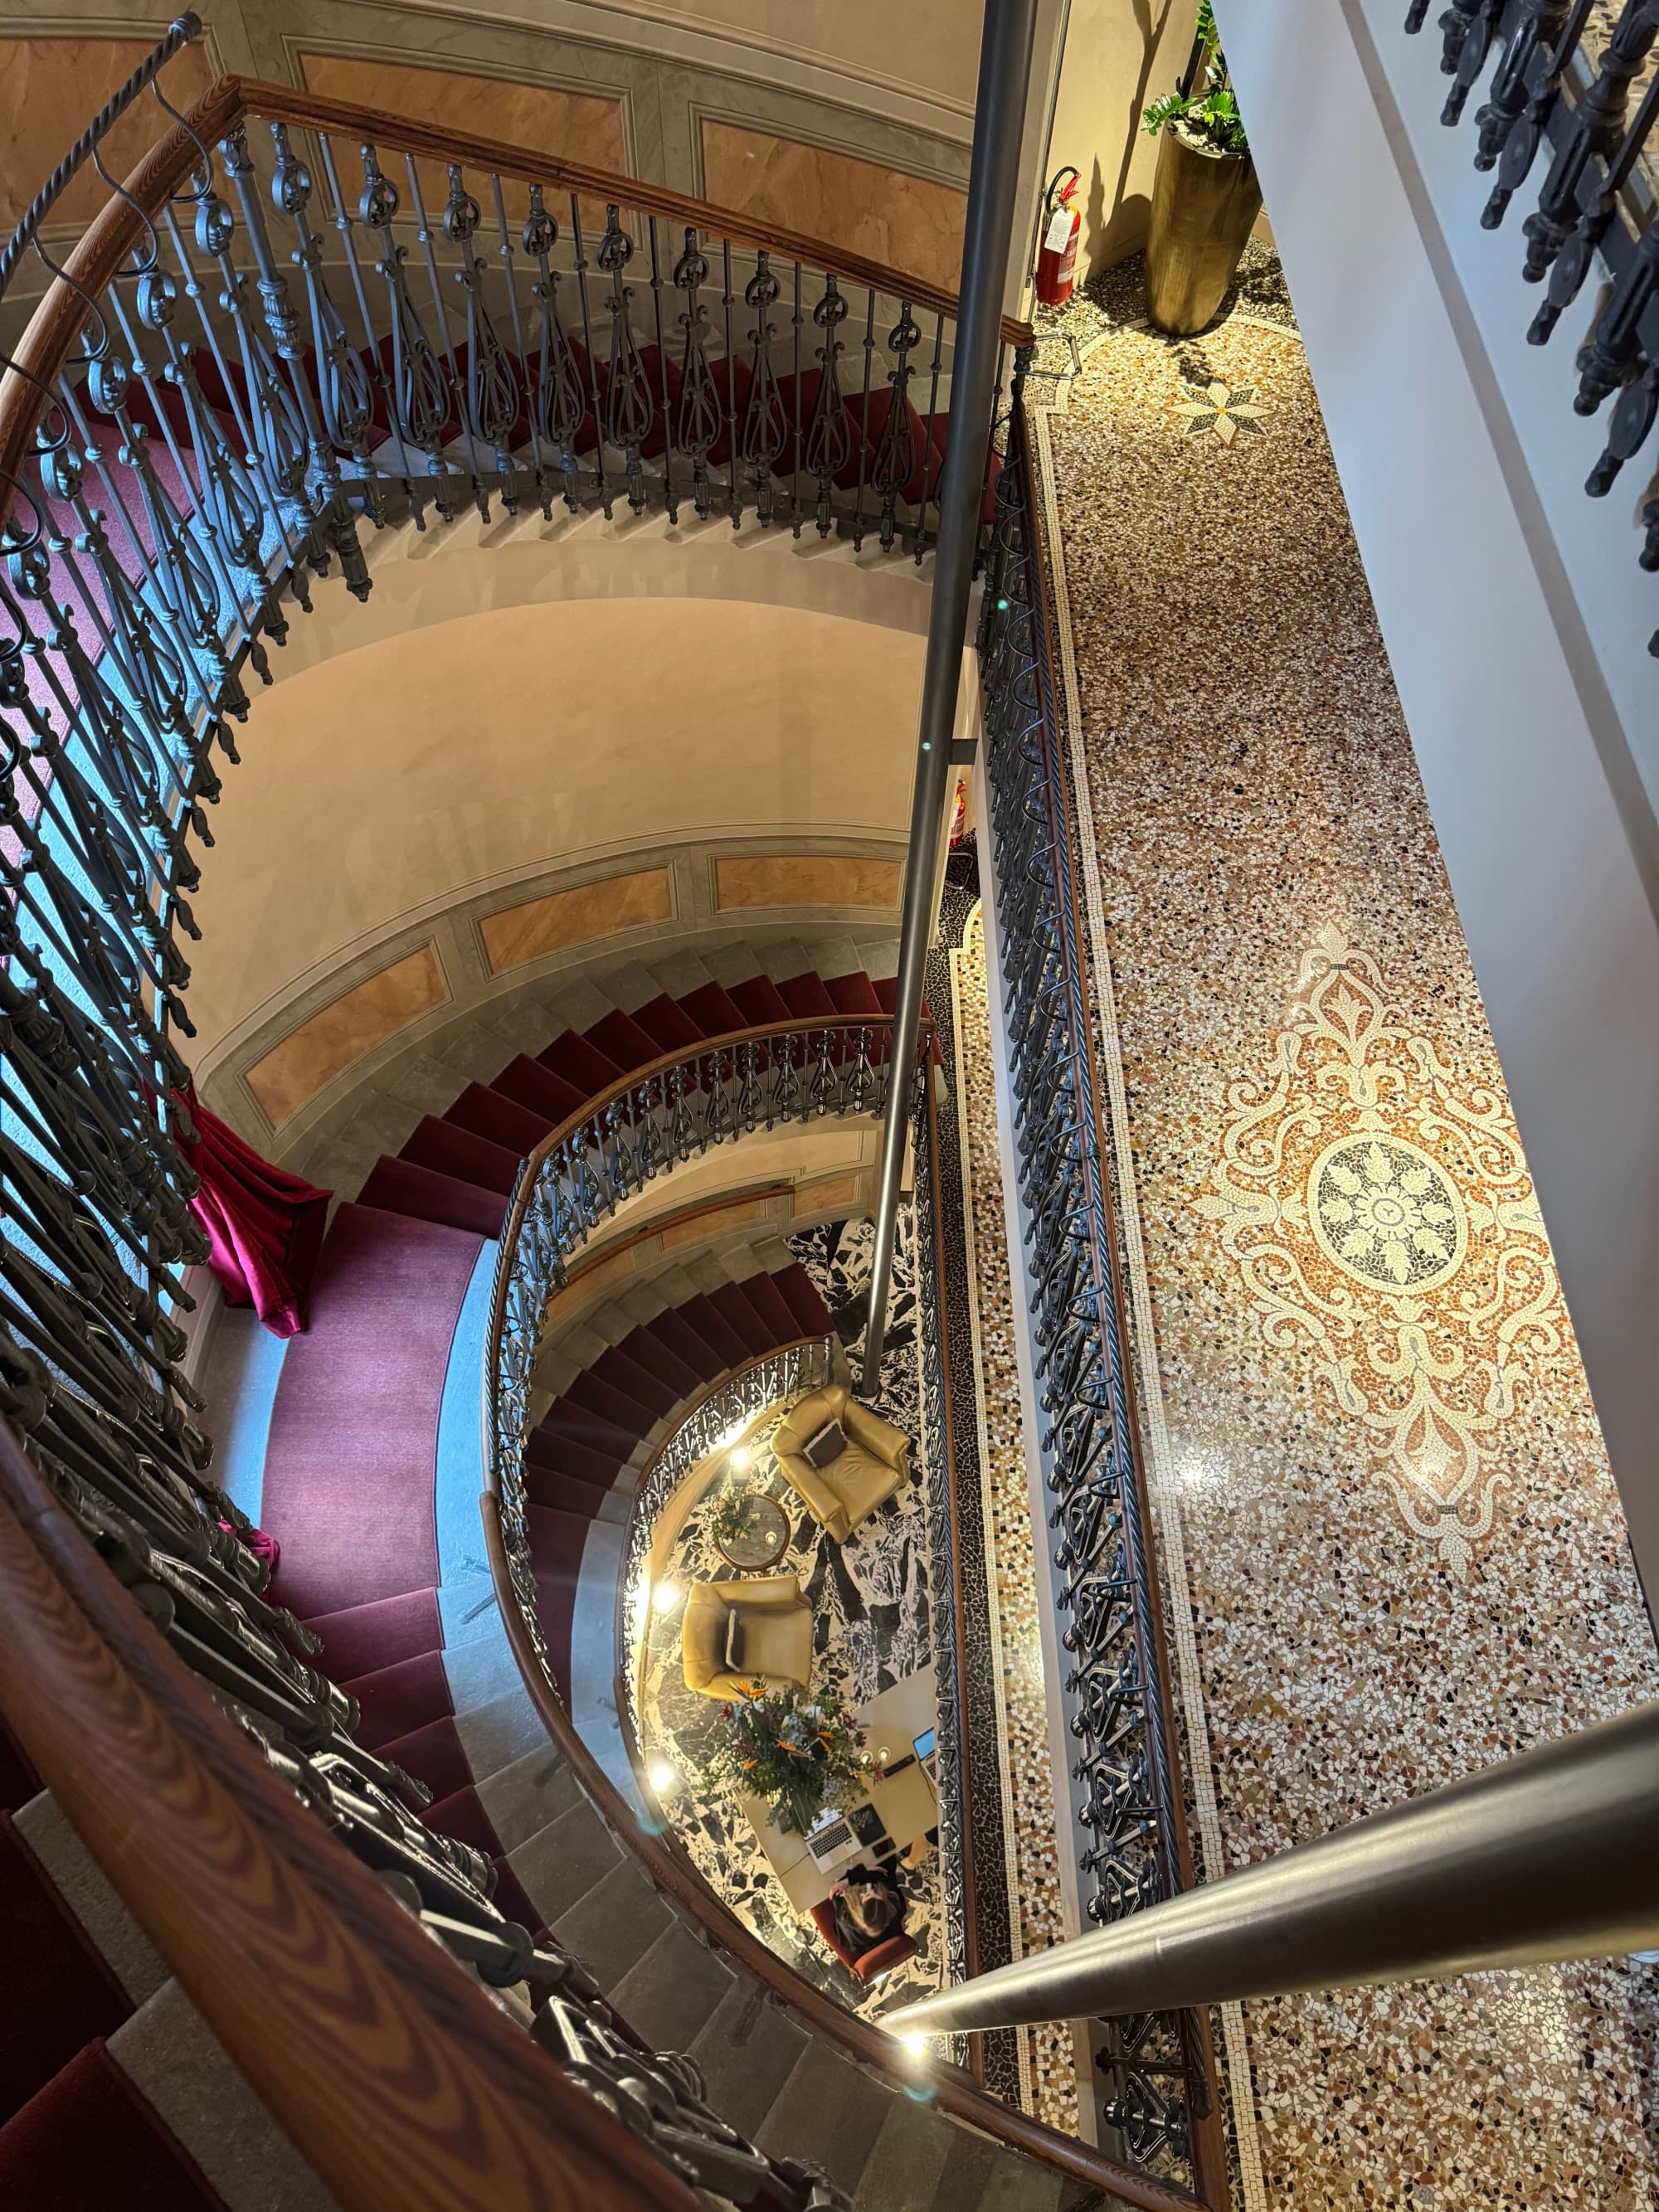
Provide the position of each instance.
(1005, 69)
(1549, 1856)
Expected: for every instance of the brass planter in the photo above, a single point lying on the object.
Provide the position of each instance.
(1204, 206)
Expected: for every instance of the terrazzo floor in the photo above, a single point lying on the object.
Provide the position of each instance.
(1049, 2066)
(871, 1629)
(1390, 1545)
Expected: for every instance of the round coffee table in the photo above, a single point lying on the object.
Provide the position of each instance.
(763, 1544)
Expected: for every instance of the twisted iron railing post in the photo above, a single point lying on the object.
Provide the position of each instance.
(1004, 68)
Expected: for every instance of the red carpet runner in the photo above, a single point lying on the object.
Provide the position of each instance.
(354, 1433)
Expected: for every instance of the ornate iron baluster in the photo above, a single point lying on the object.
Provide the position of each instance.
(420, 391)
(628, 408)
(560, 403)
(1523, 86)
(765, 426)
(894, 461)
(830, 438)
(1598, 120)
(345, 389)
(697, 425)
(489, 391)
(1469, 27)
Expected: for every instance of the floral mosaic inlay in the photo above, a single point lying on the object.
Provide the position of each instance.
(1382, 1216)
(1390, 1544)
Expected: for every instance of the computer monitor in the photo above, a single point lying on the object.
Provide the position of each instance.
(924, 1745)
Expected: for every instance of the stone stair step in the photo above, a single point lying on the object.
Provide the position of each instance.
(680, 973)
(670, 1993)
(84, 1889)
(615, 1923)
(748, 2050)
(528, 1794)
(879, 957)
(785, 957)
(836, 955)
(827, 2114)
(632, 986)
(733, 962)
(172, 2056)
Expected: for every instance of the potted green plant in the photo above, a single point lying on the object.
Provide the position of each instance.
(1205, 197)
(798, 1753)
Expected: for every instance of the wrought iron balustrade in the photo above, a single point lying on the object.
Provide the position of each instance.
(1115, 1694)
(1558, 101)
(188, 435)
(658, 1119)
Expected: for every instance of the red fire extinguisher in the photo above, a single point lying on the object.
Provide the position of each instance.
(1057, 261)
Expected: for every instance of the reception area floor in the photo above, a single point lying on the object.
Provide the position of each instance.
(869, 1597)
(1390, 1544)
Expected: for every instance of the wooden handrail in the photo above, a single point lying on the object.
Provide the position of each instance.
(391, 2071)
(96, 255)
(280, 103)
(47, 344)
(664, 1859)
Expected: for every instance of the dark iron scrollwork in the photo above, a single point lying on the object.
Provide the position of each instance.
(1124, 1769)
(896, 461)
(628, 411)
(1583, 216)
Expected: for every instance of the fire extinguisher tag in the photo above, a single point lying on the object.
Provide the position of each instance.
(1059, 230)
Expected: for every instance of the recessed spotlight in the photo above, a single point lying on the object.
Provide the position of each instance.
(666, 1598)
(741, 1456)
(663, 1776)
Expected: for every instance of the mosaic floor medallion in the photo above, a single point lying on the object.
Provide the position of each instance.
(1380, 1211)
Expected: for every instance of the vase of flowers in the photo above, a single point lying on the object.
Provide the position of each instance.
(1205, 197)
(799, 1753)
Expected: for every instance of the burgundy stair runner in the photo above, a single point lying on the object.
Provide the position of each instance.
(350, 1486)
(458, 1169)
(74, 2135)
(351, 1463)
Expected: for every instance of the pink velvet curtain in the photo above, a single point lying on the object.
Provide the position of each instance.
(266, 1227)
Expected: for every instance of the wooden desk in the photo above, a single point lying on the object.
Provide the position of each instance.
(908, 1804)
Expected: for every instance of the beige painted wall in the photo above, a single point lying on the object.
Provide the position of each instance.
(456, 754)
(1119, 56)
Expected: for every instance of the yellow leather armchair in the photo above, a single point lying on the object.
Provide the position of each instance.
(776, 1624)
(873, 1466)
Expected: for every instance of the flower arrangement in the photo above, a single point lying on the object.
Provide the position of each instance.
(799, 1753)
(733, 1514)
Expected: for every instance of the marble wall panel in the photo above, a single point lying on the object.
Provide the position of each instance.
(563, 919)
(352, 1024)
(910, 223)
(805, 879)
(48, 88)
(584, 127)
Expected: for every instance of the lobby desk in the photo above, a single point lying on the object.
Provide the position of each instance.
(907, 1803)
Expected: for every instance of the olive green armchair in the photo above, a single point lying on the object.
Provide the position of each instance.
(763, 1623)
(873, 1463)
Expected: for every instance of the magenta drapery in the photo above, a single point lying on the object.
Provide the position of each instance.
(266, 1227)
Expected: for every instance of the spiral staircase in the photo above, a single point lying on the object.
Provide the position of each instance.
(477, 1976)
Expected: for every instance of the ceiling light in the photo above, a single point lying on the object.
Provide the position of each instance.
(666, 1598)
(663, 1776)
